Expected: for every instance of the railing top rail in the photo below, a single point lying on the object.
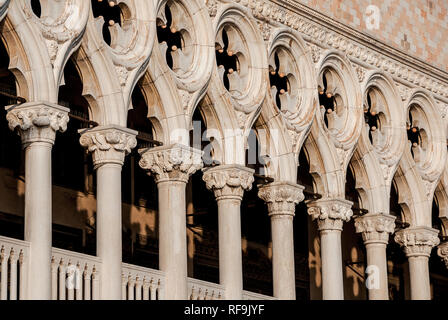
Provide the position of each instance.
(14, 242)
(202, 283)
(133, 268)
(76, 255)
(256, 296)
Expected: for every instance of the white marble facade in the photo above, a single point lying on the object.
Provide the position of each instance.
(266, 38)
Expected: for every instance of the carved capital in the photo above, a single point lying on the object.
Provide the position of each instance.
(229, 181)
(417, 241)
(108, 144)
(442, 252)
(171, 163)
(375, 227)
(330, 213)
(37, 121)
(281, 198)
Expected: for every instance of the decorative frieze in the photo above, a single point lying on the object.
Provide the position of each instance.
(442, 252)
(108, 144)
(330, 214)
(375, 227)
(229, 181)
(37, 121)
(171, 163)
(281, 198)
(417, 241)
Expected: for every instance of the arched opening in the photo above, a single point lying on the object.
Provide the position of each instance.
(73, 176)
(305, 234)
(353, 249)
(256, 226)
(202, 214)
(437, 268)
(139, 192)
(12, 169)
(398, 270)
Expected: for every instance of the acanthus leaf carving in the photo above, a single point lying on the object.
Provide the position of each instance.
(229, 181)
(417, 241)
(281, 197)
(108, 144)
(375, 227)
(330, 214)
(171, 163)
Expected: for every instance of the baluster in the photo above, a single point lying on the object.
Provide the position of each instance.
(54, 279)
(161, 290)
(131, 285)
(70, 281)
(22, 280)
(78, 282)
(87, 279)
(153, 290)
(124, 282)
(95, 284)
(62, 274)
(192, 296)
(13, 276)
(146, 289)
(138, 288)
(4, 275)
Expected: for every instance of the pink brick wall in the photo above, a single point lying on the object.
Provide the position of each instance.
(419, 27)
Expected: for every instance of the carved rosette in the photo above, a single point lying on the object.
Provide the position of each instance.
(375, 228)
(330, 214)
(172, 163)
(417, 241)
(229, 181)
(442, 252)
(108, 144)
(281, 198)
(37, 121)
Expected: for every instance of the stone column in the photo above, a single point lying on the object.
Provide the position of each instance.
(109, 146)
(172, 167)
(282, 198)
(229, 183)
(37, 124)
(330, 216)
(442, 252)
(375, 229)
(417, 243)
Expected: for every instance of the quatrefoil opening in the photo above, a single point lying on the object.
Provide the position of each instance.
(231, 59)
(115, 16)
(375, 117)
(331, 99)
(174, 28)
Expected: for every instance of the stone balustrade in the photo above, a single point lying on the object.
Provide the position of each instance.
(202, 290)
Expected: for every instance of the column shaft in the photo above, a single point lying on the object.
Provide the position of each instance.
(172, 238)
(377, 261)
(419, 274)
(230, 252)
(109, 229)
(283, 257)
(331, 256)
(38, 218)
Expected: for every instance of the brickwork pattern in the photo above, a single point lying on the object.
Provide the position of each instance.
(419, 27)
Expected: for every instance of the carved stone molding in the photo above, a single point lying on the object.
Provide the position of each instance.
(330, 213)
(108, 144)
(171, 163)
(417, 241)
(375, 228)
(37, 121)
(442, 252)
(3, 8)
(281, 198)
(229, 181)
(358, 46)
